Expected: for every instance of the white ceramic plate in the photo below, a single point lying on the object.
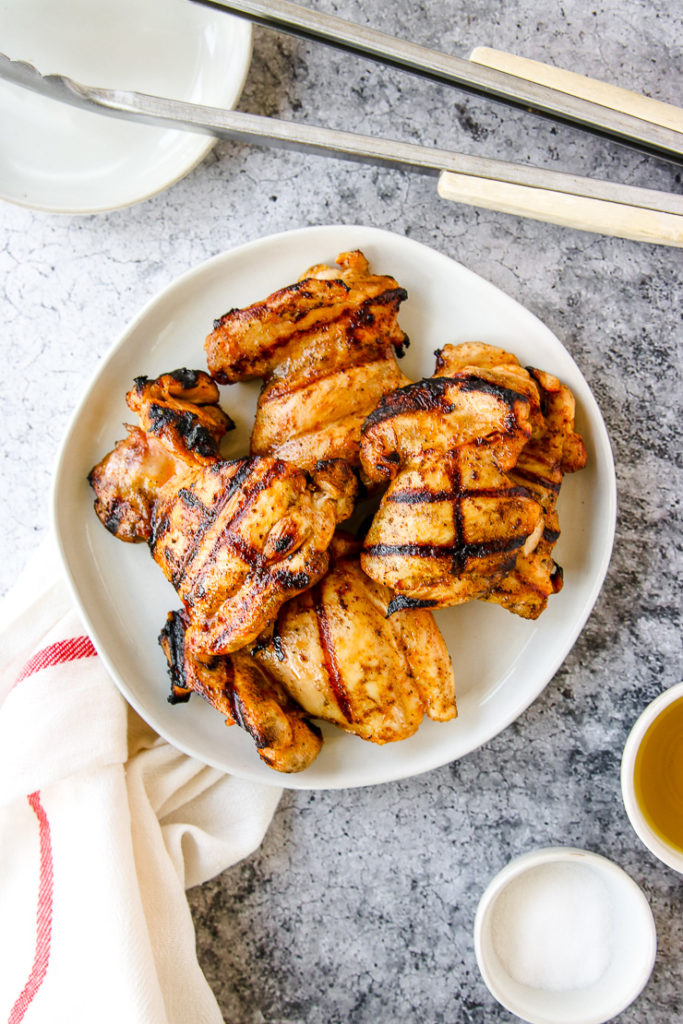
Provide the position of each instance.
(501, 662)
(57, 158)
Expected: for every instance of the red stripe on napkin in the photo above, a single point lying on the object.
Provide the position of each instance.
(41, 956)
(56, 654)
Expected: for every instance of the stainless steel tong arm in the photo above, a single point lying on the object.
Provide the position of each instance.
(254, 128)
(444, 68)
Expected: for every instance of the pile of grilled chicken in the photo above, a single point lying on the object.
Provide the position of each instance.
(285, 618)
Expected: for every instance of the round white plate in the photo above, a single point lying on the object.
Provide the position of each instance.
(57, 158)
(501, 662)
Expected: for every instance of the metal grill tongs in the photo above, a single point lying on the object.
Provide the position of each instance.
(553, 196)
(656, 129)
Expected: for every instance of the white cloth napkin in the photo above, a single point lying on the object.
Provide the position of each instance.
(102, 827)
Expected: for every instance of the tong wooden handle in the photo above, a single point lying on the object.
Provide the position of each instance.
(612, 96)
(555, 207)
(572, 211)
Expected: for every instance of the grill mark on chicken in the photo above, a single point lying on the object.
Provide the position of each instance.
(459, 556)
(528, 584)
(295, 581)
(425, 496)
(244, 613)
(162, 525)
(552, 536)
(329, 655)
(536, 478)
(430, 396)
(362, 316)
(453, 551)
(250, 494)
(261, 310)
(190, 499)
(258, 563)
(238, 481)
(277, 390)
(249, 466)
(359, 316)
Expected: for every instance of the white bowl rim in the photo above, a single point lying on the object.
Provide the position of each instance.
(563, 854)
(647, 835)
(192, 149)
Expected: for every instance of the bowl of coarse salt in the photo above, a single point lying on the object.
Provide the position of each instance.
(563, 936)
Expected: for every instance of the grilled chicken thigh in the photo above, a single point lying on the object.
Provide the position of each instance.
(553, 450)
(247, 696)
(326, 349)
(343, 660)
(451, 523)
(540, 468)
(241, 538)
(181, 427)
(333, 655)
(236, 538)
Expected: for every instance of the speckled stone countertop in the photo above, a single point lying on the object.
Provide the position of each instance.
(359, 905)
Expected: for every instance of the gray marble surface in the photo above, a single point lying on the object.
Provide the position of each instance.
(359, 905)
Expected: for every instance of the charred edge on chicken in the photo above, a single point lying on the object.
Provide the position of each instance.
(364, 317)
(274, 641)
(400, 603)
(185, 377)
(197, 437)
(557, 578)
(172, 642)
(543, 394)
(116, 511)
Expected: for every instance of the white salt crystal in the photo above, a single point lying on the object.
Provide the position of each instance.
(552, 927)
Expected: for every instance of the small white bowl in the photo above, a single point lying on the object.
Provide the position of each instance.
(664, 851)
(62, 159)
(622, 963)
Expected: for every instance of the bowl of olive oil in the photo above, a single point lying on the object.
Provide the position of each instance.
(652, 777)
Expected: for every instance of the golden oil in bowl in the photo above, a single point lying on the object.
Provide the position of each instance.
(658, 775)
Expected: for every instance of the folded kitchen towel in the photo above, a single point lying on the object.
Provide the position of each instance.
(103, 825)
